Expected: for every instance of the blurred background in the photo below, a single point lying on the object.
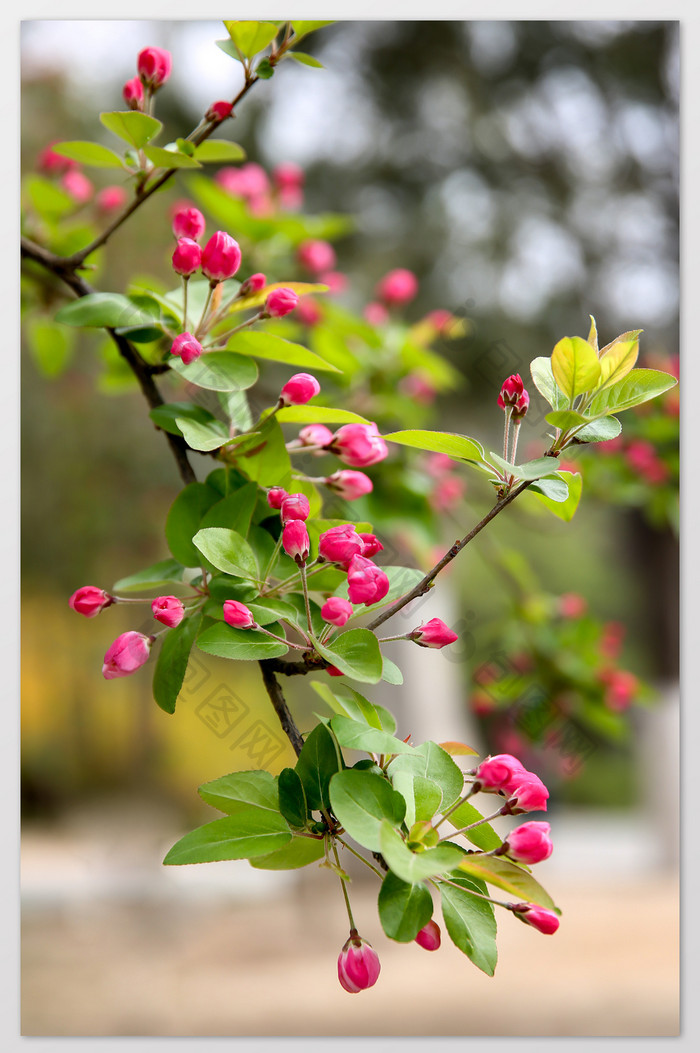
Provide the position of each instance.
(527, 172)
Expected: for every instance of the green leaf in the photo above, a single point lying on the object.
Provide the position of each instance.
(457, 446)
(530, 470)
(318, 415)
(593, 334)
(169, 673)
(302, 29)
(562, 509)
(618, 358)
(183, 521)
(218, 371)
(51, 345)
(219, 151)
(600, 430)
(433, 762)
(48, 199)
(347, 702)
(166, 572)
(306, 60)
(356, 653)
(565, 419)
(275, 349)
(412, 867)
(483, 836)
(91, 154)
(423, 797)
(251, 832)
(471, 924)
(361, 800)
(101, 310)
(318, 762)
(553, 487)
(403, 909)
(356, 735)
(234, 512)
(166, 416)
(242, 790)
(251, 37)
(575, 366)
(292, 799)
(506, 875)
(391, 672)
(637, 387)
(298, 853)
(268, 462)
(227, 550)
(132, 126)
(265, 69)
(204, 437)
(543, 379)
(163, 158)
(242, 645)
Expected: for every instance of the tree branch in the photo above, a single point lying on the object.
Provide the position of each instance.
(267, 667)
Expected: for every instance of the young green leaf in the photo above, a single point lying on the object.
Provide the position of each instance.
(166, 416)
(530, 470)
(292, 799)
(202, 436)
(637, 387)
(318, 415)
(219, 151)
(235, 511)
(92, 154)
(433, 762)
(617, 360)
(457, 446)
(412, 867)
(403, 909)
(483, 836)
(275, 349)
(298, 853)
(543, 379)
(361, 800)
(268, 461)
(423, 797)
(242, 790)
(318, 762)
(575, 366)
(553, 487)
(133, 127)
(506, 875)
(101, 310)
(166, 572)
(356, 653)
(356, 735)
(218, 371)
(302, 29)
(561, 509)
(163, 158)
(249, 833)
(183, 521)
(600, 430)
(169, 673)
(227, 550)
(241, 645)
(251, 37)
(305, 60)
(470, 923)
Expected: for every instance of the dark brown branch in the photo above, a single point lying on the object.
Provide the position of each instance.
(267, 667)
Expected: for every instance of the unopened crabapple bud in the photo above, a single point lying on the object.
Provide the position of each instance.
(429, 936)
(52, 163)
(154, 66)
(221, 257)
(376, 314)
(295, 540)
(316, 256)
(294, 506)
(132, 93)
(219, 111)
(308, 312)
(237, 615)
(349, 485)
(288, 175)
(513, 394)
(571, 605)
(186, 347)
(433, 634)
(276, 496)
(340, 544)
(169, 610)
(529, 843)
(280, 302)
(336, 281)
(545, 921)
(299, 390)
(187, 257)
(366, 582)
(359, 445)
(336, 610)
(315, 435)
(252, 285)
(495, 773)
(526, 793)
(128, 653)
(89, 601)
(358, 965)
(371, 545)
(397, 287)
(111, 198)
(188, 222)
(77, 185)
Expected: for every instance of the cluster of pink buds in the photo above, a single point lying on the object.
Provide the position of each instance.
(514, 395)
(154, 66)
(504, 774)
(288, 181)
(219, 259)
(250, 182)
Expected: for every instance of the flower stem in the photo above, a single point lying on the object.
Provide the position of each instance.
(185, 282)
(305, 587)
(357, 854)
(486, 819)
(345, 891)
(199, 330)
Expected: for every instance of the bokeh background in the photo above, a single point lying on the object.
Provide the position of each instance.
(528, 173)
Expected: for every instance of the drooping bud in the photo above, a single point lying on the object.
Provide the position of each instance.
(429, 936)
(89, 601)
(358, 965)
(186, 347)
(315, 435)
(496, 773)
(433, 634)
(545, 921)
(237, 615)
(359, 445)
(299, 389)
(526, 793)
(128, 653)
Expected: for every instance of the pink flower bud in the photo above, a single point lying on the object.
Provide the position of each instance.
(154, 66)
(187, 257)
(447, 493)
(221, 257)
(376, 314)
(219, 111)
(397, 287)
(366, 582)
(295, 540)
(315, 435)
(611, 640)
(89, 601)
(540, 918)
(621, 689)
(276, 496)
(52, 163)
(188, 222)
(336, 610)
(294, 506)
(358, 965)
(237, 615)
(168, 610)
(111, 198)
(513, 394)
(496, 773)
(429, 936)
(308, 312)
(252, 285)
(340, 544)
(442, 320)
(359, 445)
(133, 94)
(571, 605)
(526, 793)
(336, 281)
(433, 634)
(127, 654)
(530, 843)
(316, 256)
(280, 302)
(186, 347)
(290, 198)
(288, 176)
(371, 545)
(77, 185)
(418, 388)
(299, 389)
(349, 485)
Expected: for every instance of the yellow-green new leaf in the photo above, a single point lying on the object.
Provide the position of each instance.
(593, 334)
(617, 362)
(575, 366)
(251, 37)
